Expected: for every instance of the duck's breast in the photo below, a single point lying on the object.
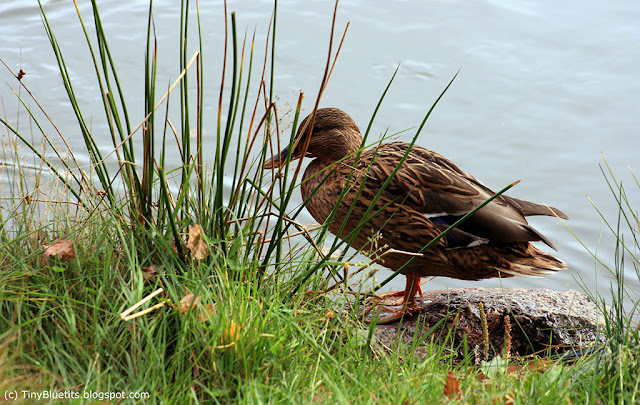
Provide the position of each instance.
(322, 185)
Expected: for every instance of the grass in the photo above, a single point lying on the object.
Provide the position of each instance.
(249, 311)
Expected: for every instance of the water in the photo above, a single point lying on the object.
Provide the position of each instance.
(544, 89)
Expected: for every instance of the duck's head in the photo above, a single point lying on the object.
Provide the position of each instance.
(333, 136)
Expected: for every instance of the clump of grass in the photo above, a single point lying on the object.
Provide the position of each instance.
(246, 313)
(620, 359)
(129, 232)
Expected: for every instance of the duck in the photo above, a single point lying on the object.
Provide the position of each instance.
(397, 197)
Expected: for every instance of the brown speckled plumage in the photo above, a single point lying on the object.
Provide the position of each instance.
(426, 194)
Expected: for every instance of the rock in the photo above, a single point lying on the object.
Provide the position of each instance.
(523, 321)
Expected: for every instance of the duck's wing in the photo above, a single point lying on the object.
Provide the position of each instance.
(434, 186)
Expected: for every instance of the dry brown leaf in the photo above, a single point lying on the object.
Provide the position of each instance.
(540, 365)
(188, 301)
(514, 368)
(62, 249)
(196, 244)
(149, 273)
(206, 312)
(452, 386)
(535, 365)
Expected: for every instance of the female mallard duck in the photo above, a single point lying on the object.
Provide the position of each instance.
(426, 195)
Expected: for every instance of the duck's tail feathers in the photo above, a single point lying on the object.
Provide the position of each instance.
(528, 208)
(537, 264)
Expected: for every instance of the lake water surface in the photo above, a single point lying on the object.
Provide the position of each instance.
(545, 88)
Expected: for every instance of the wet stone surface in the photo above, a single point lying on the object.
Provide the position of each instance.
(523, 321)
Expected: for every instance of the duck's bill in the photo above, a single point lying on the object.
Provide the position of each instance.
(280, 159)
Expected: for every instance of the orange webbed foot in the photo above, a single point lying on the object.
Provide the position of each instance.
(382, 315)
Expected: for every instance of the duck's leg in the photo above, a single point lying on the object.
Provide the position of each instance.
(412, 288)
(419, 286)
(408, 300)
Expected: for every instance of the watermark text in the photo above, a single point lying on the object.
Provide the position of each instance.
(48, 395)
